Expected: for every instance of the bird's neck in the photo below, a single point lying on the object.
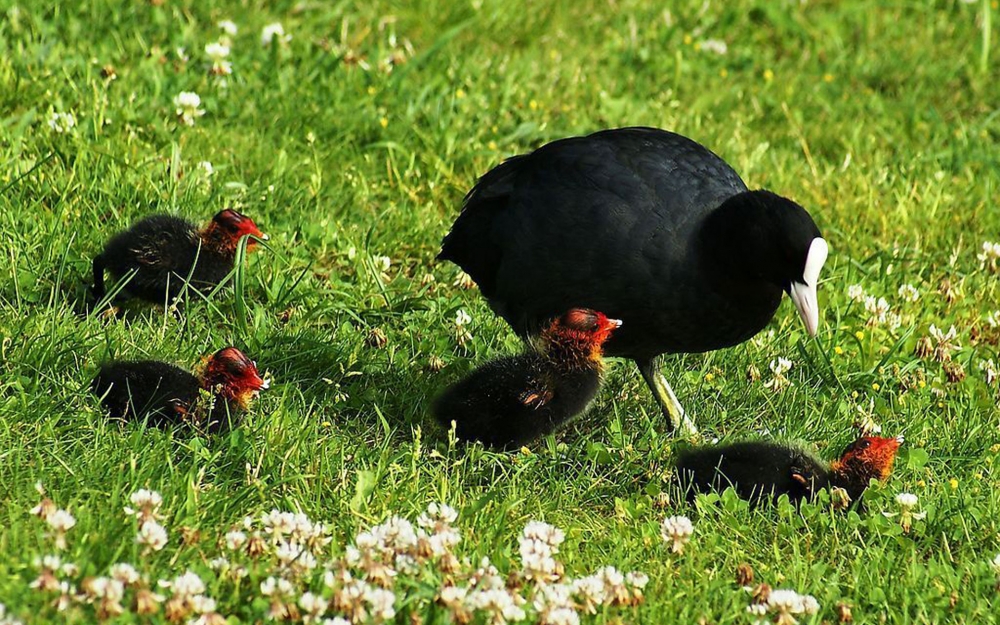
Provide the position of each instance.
(215, 241)
(854, 474)
(567, 352)
(734, 236)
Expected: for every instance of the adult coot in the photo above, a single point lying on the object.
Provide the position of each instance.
(646, 226)
(160, 252)
(510, 401)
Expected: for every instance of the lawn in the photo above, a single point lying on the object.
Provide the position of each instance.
(351, 139)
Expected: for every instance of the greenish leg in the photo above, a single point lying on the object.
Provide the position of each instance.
(680, 423)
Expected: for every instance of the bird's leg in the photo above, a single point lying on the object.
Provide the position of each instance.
(680, 423)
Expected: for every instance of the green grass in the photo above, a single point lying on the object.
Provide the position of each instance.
(879, 117)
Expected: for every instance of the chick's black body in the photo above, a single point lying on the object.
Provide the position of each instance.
(619, 221)
(510, 401)
(756, 470)
(161, 250)
(167, 395)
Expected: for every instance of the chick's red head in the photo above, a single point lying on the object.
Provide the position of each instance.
(585, 325)
(234, 376)
(873, 455)
(233, 226)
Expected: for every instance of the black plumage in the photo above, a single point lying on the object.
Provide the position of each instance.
(513, 400)
(160, 253)
(755, 469)
(644, 225)
(168, 395)
(136, 389)
(764, 470)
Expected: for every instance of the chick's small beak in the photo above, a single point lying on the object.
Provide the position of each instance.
(615, 323)
(900, 440)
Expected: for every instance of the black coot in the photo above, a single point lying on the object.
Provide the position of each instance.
(761, 470)
(646, 226)
(160, 252)
(169, 395)
(510, 401)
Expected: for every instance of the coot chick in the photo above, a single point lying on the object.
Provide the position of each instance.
(648, 227)
(169, 395)
(161, 252)
(764, 470)
(510, 401)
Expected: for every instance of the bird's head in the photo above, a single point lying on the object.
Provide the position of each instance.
(869, 457)
(578, 335)
(229, 373)
(768, 237)
(228, 227)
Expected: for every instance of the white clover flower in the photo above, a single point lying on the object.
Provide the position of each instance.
(187, 105)
(786, 603)
(273, 32)
(878, 308)
(989, 369)
(995, 564)
(780, 366)
(61, 123)
(202, 604)
(946, 342)
(235, 540)
(337, 620)
(856, 292)
(105, 588)
(589, 591)
(677, 531)
(147, 504)
(229, 27)
(989, 256)
(381, 263)
(463, 281)
(909, 293)
(437, 514)
(714, 45)
(61, 521)
(548, 534)
(993, 319)
(124, 572)
(637, 579)
(152, 535)
(187, 585)
(219, 563)
(217, 53)
(906, 500)
(381, 603)
(313, 605)
(561, 616)
(498, 604)
(278, 523)
(276, 587)
(462, 333)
